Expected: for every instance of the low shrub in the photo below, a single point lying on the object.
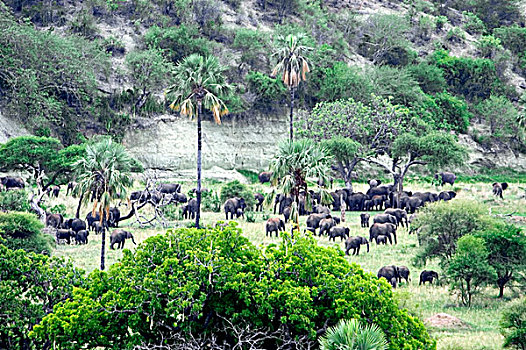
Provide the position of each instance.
(429, 77)
(250, 175)
(23, 231)
(473, 25)
(14, 201)
(237, 189)
(513, 325)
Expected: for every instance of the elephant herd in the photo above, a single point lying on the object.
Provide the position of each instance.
(394, 275)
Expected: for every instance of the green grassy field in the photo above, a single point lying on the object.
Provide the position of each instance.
(482, 319)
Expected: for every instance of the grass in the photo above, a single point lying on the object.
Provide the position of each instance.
(424, 301)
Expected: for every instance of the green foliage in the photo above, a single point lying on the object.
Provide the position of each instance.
(351, 335)
(444, 111)
(397, 84)
(21, 230)
(177, 42)
(439, 225)
(250, 175)
(171, 212)
(212, 202)
(252, 44)
(84, 24)
(500, 114)
(456, 35)
(268, 90)
(494, 13)
(473, 25)
(429, 77)
(513, 325)
(41, 156)
(488, 46)
(49, 80)
(237, 189)
(31, 285)
(197, 279)
(506, 245)
(512, 38)
(468, 268)
(441, 22)
(426, 26)
(473, 78)
(14, 201)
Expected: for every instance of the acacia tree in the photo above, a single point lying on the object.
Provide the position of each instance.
(352, 130)
(293, 163)
(293, 65)
(105, 173)
(200, 81)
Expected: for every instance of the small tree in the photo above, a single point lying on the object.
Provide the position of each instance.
(23, 231)
(513, 325)
(293, 66)
(507, 251)
(351, 335)
(469, 269)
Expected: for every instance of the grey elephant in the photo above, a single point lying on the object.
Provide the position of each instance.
(274, 225)
(320, 209)
(119, 237)
(385, 218)
(390, 273)
(380, 191)
(283, 201)
(64, 234)
(381, 239)
(399, 214)
(259, 201)
(169, 188)
(326, 225)
(54, 191)
(240, 213)
(54, 220)
(412, 204)
(387, 229)
(98, 227)
(364, 219)
(189, 210)
(81, 237)
(354, 243)
(115, 215)
(377, 202)
(428, 276)
(498, 188)
(286, 213)
(342, 232)
(356, 201)
(179, 198)
(75, 224)
(374, 183)
(232, 205)
(403, 272)
(313, 220)
(445, 178)
(10, 182)
(264, 176)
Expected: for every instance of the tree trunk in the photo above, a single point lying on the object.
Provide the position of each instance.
(199, 146)
(501, 282)
(103, 246)
(291, 113)
(77, 215)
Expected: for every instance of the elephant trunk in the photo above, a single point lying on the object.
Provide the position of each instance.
(367, 247)
(133, 240)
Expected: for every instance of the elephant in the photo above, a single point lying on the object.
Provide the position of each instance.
(274, 225)
(98, 228)
(75, 224)
(354, 243)
(378, 201)
(203, 190)
(380, 191)
(390, 273)
(259, 201)
(386, 229)
(403, 272)
(71, 186)
(313, 220)
(368, 205)
(286, 213)
(342, 232)
(385, 218)
(364, 219)
(355, 201)
(91, 220)
(426, 196)
(119, 237)
(191, 209)
(10, 182)
(184, 212)
(179, 198)
(264, 176)
(320, 209)
(374, 183)
(54, 220)
(240, 213)
(54, 191)
(428, 276)
(444, 196)
(81, 237)
(115, 215)
(399, 214)
(169, 188)
(65, 234)
(445, 178)
(141, 196)
(498, 188)
(381, 239)
(336, 202)
(322, 183)
(412, 204)
(326, 225)
(232, 205)
(283, 201)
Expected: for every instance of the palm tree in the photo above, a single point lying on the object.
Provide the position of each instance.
(200, 81)
(351, 335)
(293, 163)
(293, 66)
(104, 175)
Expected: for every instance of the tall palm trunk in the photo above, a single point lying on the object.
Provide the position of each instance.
(291, 113)
(199, 146)
(103, 249)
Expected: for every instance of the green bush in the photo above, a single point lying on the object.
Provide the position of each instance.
(268, 90)
(207, 283)
(426, 26)
(440, 22)
(452, 113)
(237, 189)
(397, 84)
(250, 175)
(488, 46)
(456, 35)
(23, 231)
(252, 44)
(494, 13)
(513, 325)
(211, 201)
(512, 38)
(429, 77)
(473, 25)
(14, 201)
(500, 114)
(172, 212)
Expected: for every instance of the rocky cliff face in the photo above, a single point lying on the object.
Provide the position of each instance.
(169, 144)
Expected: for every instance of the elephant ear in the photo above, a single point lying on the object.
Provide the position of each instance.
(504, 185)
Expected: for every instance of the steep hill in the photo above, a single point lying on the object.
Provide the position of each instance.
(76, 68)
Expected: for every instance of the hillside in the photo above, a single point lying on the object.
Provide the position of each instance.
(73, 69)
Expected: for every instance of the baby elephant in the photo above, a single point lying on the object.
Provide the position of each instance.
(428, 276)
(354, 243)
(381, 239)
(64, 234)
(364, 219)
(342, 232)
(81, 237)
(119, 237)
(274, 225)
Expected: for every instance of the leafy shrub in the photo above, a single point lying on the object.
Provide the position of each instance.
(14, 201)
(440, 22)
(488, 45)
(512, 38)
(429, 77)
(513, 325)
(351, 335)
(426, 26)
(456, 35)
(397, 84)
(84, 24)
(211, 202)
(113, 45)
(473, 25)
(268, 90)
(250, 216)
(468, 268)
(494, 13)
(251, 43)
(58, 209)
(452, 112)
(250, 175)
(201, 278)
(172, 212)
(237, 189)
(500, 114)
(22, 231)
